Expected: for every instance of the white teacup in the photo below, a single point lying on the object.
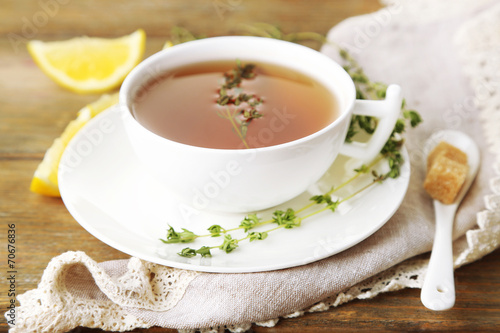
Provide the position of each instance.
(245, 180)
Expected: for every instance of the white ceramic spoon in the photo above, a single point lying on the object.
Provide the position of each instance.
(438, 291)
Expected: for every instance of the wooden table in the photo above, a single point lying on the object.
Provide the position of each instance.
(34, 111)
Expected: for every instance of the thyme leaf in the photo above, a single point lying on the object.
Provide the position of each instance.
(204, 251)
(185, 236)
(249, 222)
(187, 252)
(229, 244)
(257, 236)
(215, 230)
(287, 218)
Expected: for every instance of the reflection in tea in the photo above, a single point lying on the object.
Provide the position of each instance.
(233, 105)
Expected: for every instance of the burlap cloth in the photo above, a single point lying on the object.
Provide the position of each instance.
(445, 55)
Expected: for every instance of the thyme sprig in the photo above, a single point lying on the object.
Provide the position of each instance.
(263, 29)
(237, 106)
(283, 219)
(179, 35)
(368, 89)
(290, 218)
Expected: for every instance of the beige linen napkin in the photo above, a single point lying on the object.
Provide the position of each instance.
(438, 52)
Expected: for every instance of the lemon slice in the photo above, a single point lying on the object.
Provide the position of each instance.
(89, 64)
(45, 178)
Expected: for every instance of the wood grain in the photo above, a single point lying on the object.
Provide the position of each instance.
(34, 111)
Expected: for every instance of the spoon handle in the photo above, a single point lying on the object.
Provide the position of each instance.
(438, 291)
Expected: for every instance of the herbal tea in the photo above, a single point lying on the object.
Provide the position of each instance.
(233, 105)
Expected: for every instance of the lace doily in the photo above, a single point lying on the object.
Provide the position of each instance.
(57, 304)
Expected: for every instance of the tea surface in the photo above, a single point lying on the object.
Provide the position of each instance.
(181, 105)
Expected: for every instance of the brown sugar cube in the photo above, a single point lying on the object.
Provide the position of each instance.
(449, 151)
(446, 172)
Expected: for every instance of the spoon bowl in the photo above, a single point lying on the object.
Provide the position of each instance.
(438, 291)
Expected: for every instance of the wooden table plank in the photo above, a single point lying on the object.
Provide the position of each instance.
(211, 17)
(34, 111)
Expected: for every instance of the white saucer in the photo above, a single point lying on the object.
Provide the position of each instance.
(106, 190)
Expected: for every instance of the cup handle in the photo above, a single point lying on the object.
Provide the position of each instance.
(387, 111)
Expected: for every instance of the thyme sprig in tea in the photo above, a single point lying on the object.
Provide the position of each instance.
(237, 106)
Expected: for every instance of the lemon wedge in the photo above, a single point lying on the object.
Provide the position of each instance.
(44, 180)
(89, 64)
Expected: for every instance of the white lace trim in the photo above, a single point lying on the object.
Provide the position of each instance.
(52, 307)
(479, 43)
